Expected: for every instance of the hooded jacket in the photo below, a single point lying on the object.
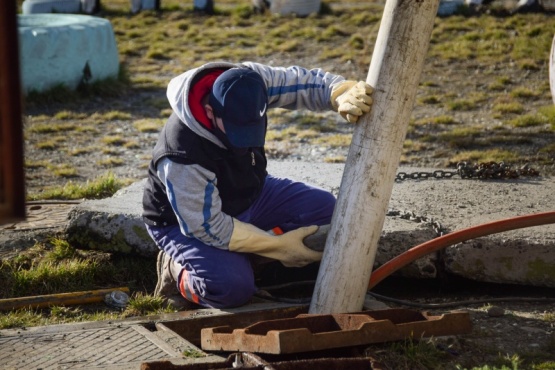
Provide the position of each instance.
(194, 180)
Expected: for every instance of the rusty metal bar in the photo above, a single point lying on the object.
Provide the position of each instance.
(306, 333)
(61, 299)
(191, 327)
(12, 189)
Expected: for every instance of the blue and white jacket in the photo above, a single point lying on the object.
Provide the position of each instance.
(191, 173)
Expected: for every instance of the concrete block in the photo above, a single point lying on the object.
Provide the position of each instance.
(508, 261)
(58, 49)
(524, 256)
(112, 224)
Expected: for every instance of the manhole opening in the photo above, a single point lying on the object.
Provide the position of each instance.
(150, 326)
(191, 327)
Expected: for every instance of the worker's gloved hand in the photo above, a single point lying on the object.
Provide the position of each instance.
(287, 248)
(351, 99)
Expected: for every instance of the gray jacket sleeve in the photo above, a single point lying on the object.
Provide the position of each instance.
(196, 202)
(297, 87)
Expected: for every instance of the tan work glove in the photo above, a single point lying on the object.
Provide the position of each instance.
(287, 248)
(351, 99)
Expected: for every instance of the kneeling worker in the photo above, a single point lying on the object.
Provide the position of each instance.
(209, 201)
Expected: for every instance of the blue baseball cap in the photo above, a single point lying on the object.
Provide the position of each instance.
(240, 98)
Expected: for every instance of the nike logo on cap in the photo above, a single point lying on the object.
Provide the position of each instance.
(263, 110)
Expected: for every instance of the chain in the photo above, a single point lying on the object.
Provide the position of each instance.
(486, 170)
(411, 216)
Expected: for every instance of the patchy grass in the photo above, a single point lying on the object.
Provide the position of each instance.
(336, 140)
(69, 115)
(413, 146)
(110, 162)
(409, 354)
(193, 353)
(548, 149)
(508, 107)
(115, 140)
(111, 116)
(500, 83)
(438, 120)
(523, 92)
(527, 120)
(56, 267)
(544, 116)
(48, 128)
(430, 99)
(81, 151)
(335, 159)
(47, 145)
(461, 105)
(102, 187)
(503, 363)
(149, 125)
(493, 155)
(64, 170)
(141, 304)
(460, 137)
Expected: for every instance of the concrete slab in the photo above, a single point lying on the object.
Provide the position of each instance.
(44, 219)
(525, 256)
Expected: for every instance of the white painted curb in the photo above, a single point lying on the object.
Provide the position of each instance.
(56, 48)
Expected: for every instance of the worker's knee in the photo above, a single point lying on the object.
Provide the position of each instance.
(224, 288)
(235, 292)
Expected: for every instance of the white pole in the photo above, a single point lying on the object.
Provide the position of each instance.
(552, 70)
(373, 158)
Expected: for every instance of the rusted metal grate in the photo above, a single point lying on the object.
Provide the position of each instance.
(83, 349)
(306, 333)
(42, 215)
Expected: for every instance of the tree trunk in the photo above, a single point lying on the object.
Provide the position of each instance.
(373, 158)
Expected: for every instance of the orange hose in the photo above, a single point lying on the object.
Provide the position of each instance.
(456, 237)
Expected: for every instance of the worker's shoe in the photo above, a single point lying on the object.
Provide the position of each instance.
(166, 288)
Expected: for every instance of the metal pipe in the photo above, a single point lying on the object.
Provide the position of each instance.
(60, 299)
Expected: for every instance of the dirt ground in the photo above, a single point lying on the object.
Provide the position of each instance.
(507, 321)
(526, 329)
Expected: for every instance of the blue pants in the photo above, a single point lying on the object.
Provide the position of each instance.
(219, 278)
